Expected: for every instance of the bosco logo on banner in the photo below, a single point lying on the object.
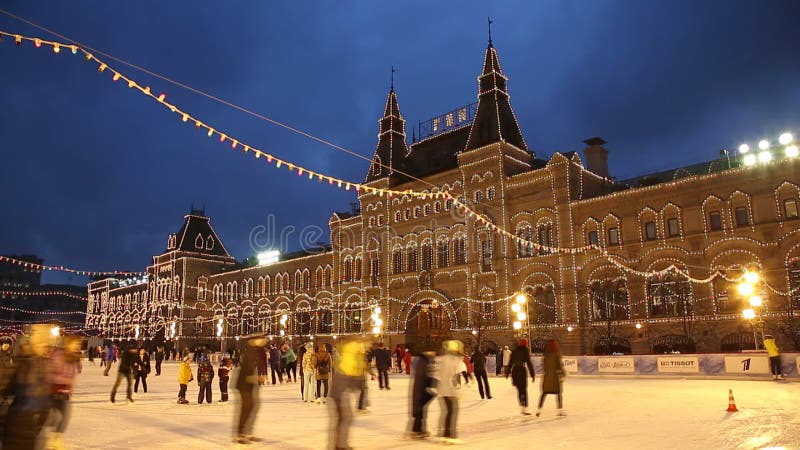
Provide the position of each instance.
(620, 364)
(678, 364)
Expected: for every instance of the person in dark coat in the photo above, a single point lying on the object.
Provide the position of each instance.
(205, 375)
(275, 363)
(553, 374)
(143, 369)
(128, 365)
(300, 354)
(520, 360)
(479, 364)
(247, 385)
(159, 359)
(261, 364)
(498, 361)
(383, 362)
(422, 392)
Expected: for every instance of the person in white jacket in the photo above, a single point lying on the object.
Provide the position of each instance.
(447, 374)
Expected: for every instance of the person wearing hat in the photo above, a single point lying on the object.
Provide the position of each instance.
(774, 354)
(520, 360)
(554, 373)
(184, 377)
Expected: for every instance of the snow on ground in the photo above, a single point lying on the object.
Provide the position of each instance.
(616, 413)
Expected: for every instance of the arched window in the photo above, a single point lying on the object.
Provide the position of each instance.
(459, 251)
(544, 300)
(487, 251)
(437, 207)
(397, 261)
(357, 270)
(412, 259)
(609, 300)
(545, 234)
(448, 204)
(398, 216)
(427, 210)
(491, 193)
(478, 196)
(347, 274)
(298, 281)
(198, 242)
(209, 243)
(318, 278)
(417, 212)
(669, 296)
(324, 321)
(524, 247)
(328, 279)
(427, 256)
(442, 252)
(352, 319)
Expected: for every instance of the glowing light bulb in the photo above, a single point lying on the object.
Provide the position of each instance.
(569, 328)
(764, 157)
(756, 301)
(748, 314)
(638, 326)
(749, 160)
(745, 289)
(377, 309)
(515, 307)
(792, 151)
(786, 138)
(56, 48)
(522, 316)
(744, 148)
(751, 277)
(521, 298)
(763, 144)
(517, 325)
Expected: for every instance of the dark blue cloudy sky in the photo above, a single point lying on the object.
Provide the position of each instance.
(95, 176)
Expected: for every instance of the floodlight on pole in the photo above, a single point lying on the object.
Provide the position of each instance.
(751, 277)
(749, 313)
(786, 138)
(746, 289)
(55, 331)
(756, 301)
(517, 325)
(744, 148)
(792, 151)
(763, 144)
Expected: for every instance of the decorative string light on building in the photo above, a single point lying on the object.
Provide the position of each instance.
(41, 268)
(43, 294)
(45, 313)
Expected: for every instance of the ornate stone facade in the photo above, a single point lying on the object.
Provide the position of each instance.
(436, 272)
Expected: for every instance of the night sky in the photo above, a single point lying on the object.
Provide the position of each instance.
(96, 176)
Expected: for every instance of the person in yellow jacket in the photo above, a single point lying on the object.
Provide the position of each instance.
(774, 354)
(184, 377)
(349, 376)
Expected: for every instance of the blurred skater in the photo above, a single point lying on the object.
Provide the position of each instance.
(275, 363)
(348, 377)
(289, 361)
(422, 392)
(65, 365)
(32, 390)
(553, 374)
(159, 359)
(128, 365)
(247, 384)
(447, 376)
(520, 360)
(322, 365)
(383, 362)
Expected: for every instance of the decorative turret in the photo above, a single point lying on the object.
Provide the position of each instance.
(391, 147)
(494, 119)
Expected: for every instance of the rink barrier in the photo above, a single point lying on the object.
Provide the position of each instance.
(747, 364)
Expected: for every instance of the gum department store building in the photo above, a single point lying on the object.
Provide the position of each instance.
(436, 273)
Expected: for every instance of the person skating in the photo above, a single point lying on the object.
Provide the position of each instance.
(351, 366)
(309, 363)
(518, 362)
(205, 375)
(478, 361)
(247, 384)
(143, 370)
(6, 373)
(554, 373)
(66, 365)
(383, 362)
(128, 365)
(398, 357)
(184, 378)
(261, 364)
(289, 361)
(275, 364)
(447, 376)
(506, 358)
(159, 359)
(31, 388)
(422, 392)
(774, 354)
(322, 371)
(224, 373)
(407, 356)
(300, 353)
(498, 362)
(109, 357)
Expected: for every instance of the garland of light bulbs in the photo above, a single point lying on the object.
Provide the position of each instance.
(41, 268)
(358, 187)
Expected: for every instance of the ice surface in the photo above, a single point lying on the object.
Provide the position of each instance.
(616, 413)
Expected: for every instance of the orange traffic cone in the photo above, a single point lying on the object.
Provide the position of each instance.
(731, 403)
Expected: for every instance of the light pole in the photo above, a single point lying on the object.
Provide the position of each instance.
(747, 289)
(377, 321)
(520, 307)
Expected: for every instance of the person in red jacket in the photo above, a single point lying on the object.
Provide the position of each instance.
(224, 373)
(407, 360)
(398, 357)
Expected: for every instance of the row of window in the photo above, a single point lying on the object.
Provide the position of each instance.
(414, 259)
(416, 212)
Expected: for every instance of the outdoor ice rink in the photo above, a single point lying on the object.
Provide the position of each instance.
(603, 413)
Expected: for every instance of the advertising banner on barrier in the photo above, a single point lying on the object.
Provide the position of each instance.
(678, 364)
(747, 364)
(616, 364)
(570, 364)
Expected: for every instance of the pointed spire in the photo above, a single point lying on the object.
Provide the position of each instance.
(494, 119)
(391, 147)
(489, 19)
